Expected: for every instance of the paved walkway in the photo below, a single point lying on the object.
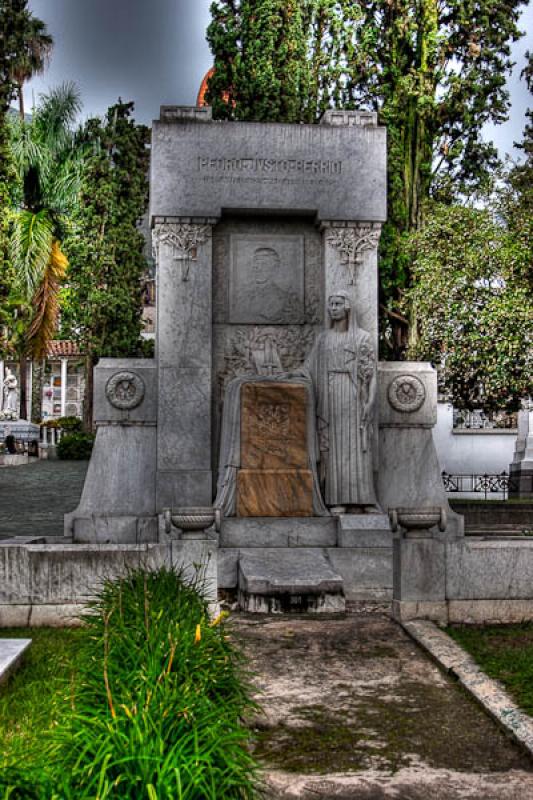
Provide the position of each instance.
(354, 709)
(34, 497)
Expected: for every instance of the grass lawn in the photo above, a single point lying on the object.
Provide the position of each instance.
(34, 696)
(504, 652)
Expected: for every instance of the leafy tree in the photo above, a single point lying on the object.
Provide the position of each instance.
(18, 27)
(435, 73)
(31, 59)
(472, 306)
(102, 301)
(279, 60)
(47, 160)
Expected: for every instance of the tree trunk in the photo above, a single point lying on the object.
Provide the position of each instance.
(90, 364)
(23, 378)
(21, 101)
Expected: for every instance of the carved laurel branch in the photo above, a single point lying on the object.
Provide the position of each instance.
(183, 238)
(353, 242)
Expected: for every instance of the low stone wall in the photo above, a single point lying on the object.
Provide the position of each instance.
(464, 580)
(48, 584)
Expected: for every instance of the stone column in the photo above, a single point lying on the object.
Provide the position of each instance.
(63, 386)
(350, 265)
(183, 252)
(521, 469)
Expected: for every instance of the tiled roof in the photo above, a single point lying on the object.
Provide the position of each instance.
(59, 348)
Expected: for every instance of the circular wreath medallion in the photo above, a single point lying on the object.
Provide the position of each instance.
(125, 390)
(406, 393)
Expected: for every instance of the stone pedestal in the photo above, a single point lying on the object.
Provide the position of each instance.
(521, 469)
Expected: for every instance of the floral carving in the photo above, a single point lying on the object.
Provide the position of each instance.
(353, 242)
(184, 239)
(125, 390)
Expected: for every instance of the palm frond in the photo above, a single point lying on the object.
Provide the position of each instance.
(57, 114)
(45, 303)
(62, 188)
(30, 247)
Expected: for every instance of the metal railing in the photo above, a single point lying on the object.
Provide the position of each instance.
(486, 484)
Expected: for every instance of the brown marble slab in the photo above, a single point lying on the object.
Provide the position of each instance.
(273, 426)
(275, 493)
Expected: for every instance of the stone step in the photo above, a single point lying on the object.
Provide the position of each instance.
(301, 581)
(11, 652)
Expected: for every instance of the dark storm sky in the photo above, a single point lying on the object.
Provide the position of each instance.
(154, 52)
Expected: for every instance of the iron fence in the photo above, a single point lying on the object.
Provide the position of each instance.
(487, 484)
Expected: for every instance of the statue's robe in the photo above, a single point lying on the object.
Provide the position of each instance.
(341, 366)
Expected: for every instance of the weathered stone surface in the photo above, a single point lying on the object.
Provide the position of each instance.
(364, 530)
(407, 394)
(120, 480)
(267, 280)
(183, 431)
(419, 570)
(300, 571)
(274, 493)
(278, 532)
(273, 426)
(489, 569)
(146, 370)
(11, 653)
(199, 169)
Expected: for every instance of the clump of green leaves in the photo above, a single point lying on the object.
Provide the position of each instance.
(158, 702)
(472, 307)
(75, 446)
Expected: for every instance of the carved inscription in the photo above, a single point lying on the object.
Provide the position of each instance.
(273, 426)
(296, 166)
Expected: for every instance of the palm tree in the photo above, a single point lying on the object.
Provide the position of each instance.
(48, 161)
(32, 57)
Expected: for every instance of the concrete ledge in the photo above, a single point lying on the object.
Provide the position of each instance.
(11, 653)
(277, 532)
(405, 610)
(487, 692)
(490, 612)
(50, 615)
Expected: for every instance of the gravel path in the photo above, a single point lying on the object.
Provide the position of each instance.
(354, 709)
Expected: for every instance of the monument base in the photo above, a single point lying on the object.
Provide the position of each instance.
(300, 582)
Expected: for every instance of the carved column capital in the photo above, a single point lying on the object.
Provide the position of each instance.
(183, 238)
(352, 240)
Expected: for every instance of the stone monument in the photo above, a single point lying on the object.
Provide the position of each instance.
(265, 398)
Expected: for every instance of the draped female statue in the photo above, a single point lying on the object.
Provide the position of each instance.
(342, 368)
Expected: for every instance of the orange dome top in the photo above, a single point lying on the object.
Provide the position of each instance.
(200, 100)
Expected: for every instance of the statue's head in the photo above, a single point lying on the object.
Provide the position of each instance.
(266, 264)
(339, 306)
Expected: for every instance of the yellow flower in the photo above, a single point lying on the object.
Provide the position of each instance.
(218, 619)
(198, 634)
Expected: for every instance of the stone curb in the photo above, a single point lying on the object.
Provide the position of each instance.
(11, 653)
(487, 692)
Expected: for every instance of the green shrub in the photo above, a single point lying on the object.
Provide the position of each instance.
(70, 424)
(156, 712)
(75, 446)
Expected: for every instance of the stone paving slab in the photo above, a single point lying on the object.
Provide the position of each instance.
(488, 692)
(354, 709)
(11, 652)
(34, 497)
